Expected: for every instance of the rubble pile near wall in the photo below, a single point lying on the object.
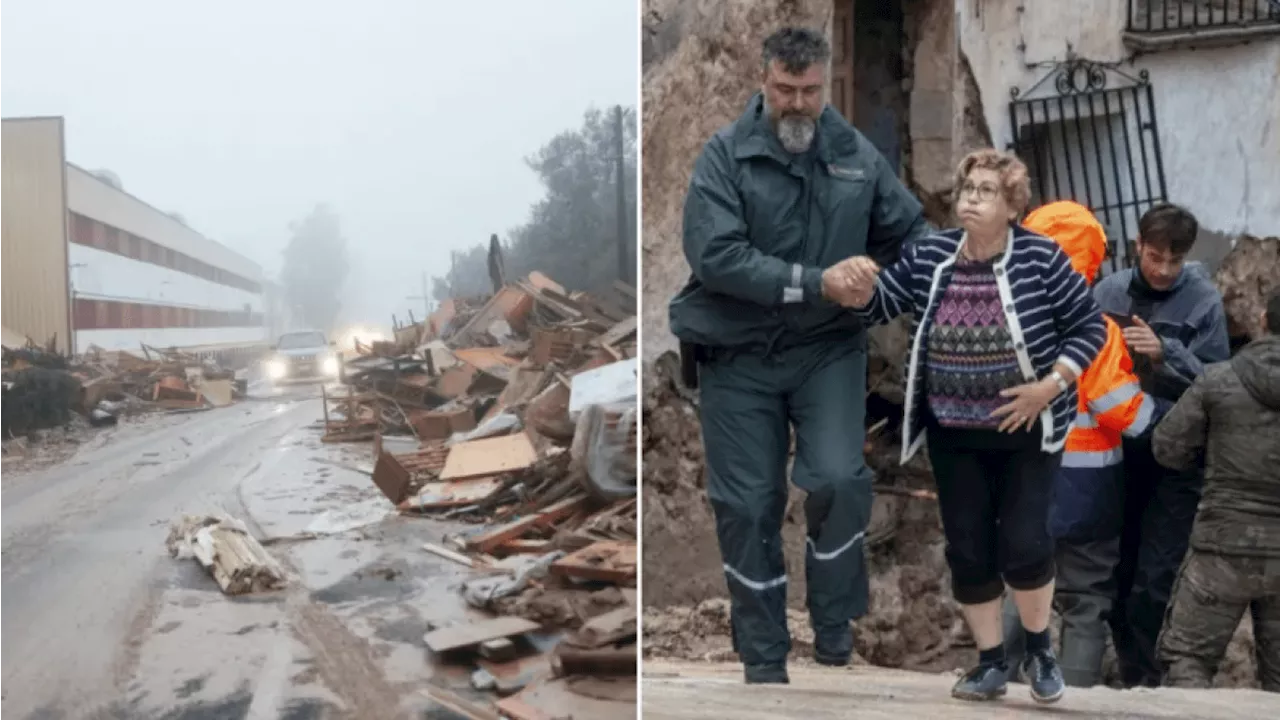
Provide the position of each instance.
(1246, 278)
(520, 411)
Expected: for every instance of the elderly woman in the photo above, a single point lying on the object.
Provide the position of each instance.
(1005, 328)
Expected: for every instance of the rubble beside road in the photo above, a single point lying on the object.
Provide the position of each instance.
(519, 411)
(45, 391)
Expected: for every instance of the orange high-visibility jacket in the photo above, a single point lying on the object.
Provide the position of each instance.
(1112, 406)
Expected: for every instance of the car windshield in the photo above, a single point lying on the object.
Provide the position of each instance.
(298, 341)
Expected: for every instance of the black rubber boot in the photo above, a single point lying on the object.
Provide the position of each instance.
(767, 674)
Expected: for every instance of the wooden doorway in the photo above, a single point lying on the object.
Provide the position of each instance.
(842, 59)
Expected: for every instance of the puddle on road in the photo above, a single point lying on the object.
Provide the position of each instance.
(393, 580)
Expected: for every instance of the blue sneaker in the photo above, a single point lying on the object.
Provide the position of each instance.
(985, 682)
(1044, 675)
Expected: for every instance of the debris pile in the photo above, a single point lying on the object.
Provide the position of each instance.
(224, 547)
(43, 389)
(523, 406)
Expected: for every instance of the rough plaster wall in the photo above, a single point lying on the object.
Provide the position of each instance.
(932, 68)
(1219, 141)
(703, 63)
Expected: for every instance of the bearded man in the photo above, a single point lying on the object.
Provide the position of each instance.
(777, 200)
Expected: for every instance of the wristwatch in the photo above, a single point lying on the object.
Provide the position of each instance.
(1062, 382)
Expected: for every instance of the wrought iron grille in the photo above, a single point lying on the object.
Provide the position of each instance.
(1171, 15)
(1094, 144)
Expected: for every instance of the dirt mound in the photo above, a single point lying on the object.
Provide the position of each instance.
(1249, 273)
(703, 633)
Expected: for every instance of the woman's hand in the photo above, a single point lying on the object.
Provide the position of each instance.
(1028, 401)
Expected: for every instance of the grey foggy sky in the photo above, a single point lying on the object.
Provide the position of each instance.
(411, 118)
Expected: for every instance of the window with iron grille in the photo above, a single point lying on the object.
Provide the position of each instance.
(1190, 15)
(1088, 133)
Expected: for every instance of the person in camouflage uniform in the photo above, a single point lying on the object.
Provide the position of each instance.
(1231, 418)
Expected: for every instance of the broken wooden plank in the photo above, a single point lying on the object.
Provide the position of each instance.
(435, 496)
(611, 561)
(459, 705)
(448, 554)
(489, 456)
(518, 709)
(391, 478)
(458, 637)
(521, 546)
(607, 629)
(493, 539)
(608, 661)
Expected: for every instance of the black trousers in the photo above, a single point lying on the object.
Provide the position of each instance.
(749, 405)
(993, 494)
(1159, 510)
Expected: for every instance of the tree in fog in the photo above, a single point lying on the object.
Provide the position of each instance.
(315, 267)
(571, 234)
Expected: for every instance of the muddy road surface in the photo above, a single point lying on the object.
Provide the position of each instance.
(99, 621)
(692, 691)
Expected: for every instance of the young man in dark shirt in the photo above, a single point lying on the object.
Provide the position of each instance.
(1175, 326)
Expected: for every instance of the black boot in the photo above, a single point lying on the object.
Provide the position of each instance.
(833, 646)
(767, 674)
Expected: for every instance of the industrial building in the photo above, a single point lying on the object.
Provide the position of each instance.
(89, 265)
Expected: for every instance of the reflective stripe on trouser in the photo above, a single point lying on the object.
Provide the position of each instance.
(747, 405)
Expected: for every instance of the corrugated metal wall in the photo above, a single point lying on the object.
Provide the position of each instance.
(33, 237)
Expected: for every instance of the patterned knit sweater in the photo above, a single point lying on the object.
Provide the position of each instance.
(970, 356)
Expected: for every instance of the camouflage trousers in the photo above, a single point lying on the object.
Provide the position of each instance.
(1210, 596)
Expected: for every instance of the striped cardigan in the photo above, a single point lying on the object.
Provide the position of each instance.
(1049, 311)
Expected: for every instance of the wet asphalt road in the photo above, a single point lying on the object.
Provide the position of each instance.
(99, 622)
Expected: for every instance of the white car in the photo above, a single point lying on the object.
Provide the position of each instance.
(304, 356)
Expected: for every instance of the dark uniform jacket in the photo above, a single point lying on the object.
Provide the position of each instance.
(1230, 420)
(761, 224)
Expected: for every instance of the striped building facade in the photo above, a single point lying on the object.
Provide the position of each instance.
(90, 265)
(139, 275)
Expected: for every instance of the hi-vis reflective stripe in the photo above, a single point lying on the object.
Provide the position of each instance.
(753, 584)
(1142, 420)
(1092, 458)
(795, 292)
(1085, 421)
(1114, 398)
(834, 553)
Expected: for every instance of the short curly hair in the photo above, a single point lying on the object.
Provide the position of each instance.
(1015, 182)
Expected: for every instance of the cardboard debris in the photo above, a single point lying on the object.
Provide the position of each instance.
(489, 456)
(225, 548)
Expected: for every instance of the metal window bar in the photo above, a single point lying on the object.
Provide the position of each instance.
(1096, 145)
(1183, 15)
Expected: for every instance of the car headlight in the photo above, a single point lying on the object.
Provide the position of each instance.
(330, 365)
(276, 369)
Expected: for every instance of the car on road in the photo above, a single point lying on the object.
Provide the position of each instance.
(304, 356)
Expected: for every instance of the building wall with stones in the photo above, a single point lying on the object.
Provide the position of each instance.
(1212, 71)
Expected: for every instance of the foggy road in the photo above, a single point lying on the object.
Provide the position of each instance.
(99, 621)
